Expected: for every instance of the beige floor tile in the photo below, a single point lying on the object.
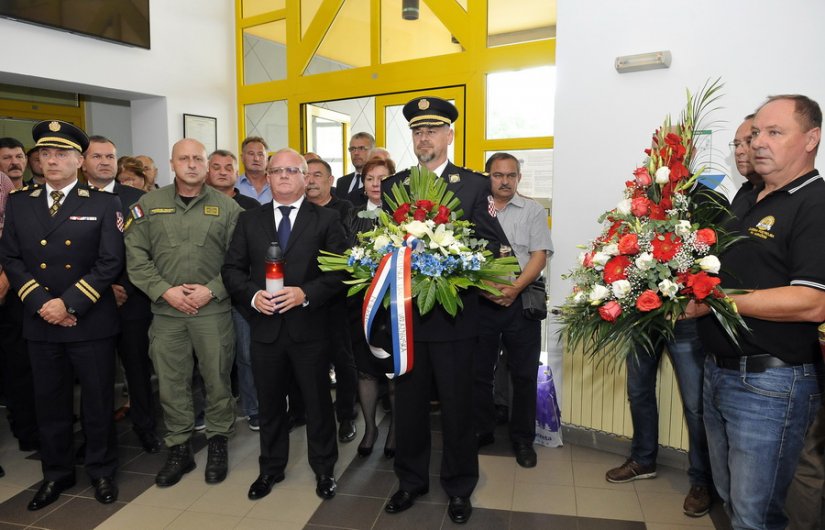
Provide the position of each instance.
(553, 453)
(591, 475)
(7, 491)
(493, 493)
(137, 517)
(287, 505)
(180, 496)
(586, 454)
(20, 471)
(670, 526)
(203, 521)
(300, 477)
(668, 480)
(225, 499)
(497, 468)
(559, 472)
(608, 504)
(667, 508)
(261, 524)
(544, 498)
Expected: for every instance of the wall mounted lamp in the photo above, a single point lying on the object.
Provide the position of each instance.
(643, 61)
(409, 9)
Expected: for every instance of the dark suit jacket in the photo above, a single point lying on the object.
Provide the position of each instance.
(75, 255)
(472, 189)
(243, 271)
(357, 196)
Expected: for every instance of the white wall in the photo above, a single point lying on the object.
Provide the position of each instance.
(190, 69)
(604, 119)
(113, 119)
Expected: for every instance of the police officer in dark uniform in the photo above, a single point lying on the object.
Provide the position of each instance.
(444, 345)
(62, 249)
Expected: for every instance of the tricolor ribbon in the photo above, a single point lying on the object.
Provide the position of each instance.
(393, 273)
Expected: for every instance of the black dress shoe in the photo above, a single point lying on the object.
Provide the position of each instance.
(105, 490)
(49, 492)
(179, 462)
(460, 509)
(149, 441)
(347, 431)
(402, 500)
(525, 454)
(217, 460)
(326, 487)
(263, 485)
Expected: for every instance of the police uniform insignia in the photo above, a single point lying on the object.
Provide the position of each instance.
(54, 126)
(211, 210)
(423, 104)
(82, 193)
(137, 212)
(455, 177)
(154, 211)
(35, 193)
(119, 220)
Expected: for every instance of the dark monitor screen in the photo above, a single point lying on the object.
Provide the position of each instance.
(121, 21)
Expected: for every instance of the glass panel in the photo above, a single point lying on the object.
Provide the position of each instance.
(308, 10)
(264, 53)
(250, 8)
(38, 95)
(268, 120)
(533, 20)
(520, 104)
(327, 142)
(399, 138)
(536, 173)
(402, 40)
(347, 42)
(360, 112)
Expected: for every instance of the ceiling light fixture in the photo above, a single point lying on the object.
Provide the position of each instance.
(643, 61)
(409, 9)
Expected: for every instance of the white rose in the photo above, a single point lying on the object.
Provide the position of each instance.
(621, 288)
(381, 241)
(611, 250)
(645, 261)
(598, 293)
(416, 228)
(668, 288)
(623, 207)
(600, 258)
(683, 229)
(710, 264)
(662, 175)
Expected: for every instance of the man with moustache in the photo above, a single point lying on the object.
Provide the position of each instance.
(351, 185)
(741, 145)
(13, 160)
(223, 175)
(762, 392)
(35, 168)
(288, 326)
(445, 346)
(62, 249)
(174, 250)
(253, 183)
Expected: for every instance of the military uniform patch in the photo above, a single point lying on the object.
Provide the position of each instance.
(137, 212)
(211, 210)
(154, 211)
(82, 193)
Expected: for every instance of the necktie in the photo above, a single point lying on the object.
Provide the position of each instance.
(285, 227)
(356, 183)
(57, 196)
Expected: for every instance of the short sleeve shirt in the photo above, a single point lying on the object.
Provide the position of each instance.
(524, 222)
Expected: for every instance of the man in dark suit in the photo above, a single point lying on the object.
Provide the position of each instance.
(62, 249)
(444, 345)
(287, 337)
(351, 186)
(100, 168)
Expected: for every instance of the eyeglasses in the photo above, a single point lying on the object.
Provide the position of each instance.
(291, 171)
(355, 148)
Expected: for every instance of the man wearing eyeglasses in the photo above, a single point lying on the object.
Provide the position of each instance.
(175, 247)
(351, 186)
(741, 146)
(288, 325)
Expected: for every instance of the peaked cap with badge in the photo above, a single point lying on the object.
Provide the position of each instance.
(59, 134)
(429, 112)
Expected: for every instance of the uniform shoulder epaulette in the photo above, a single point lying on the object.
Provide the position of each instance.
(27, 187)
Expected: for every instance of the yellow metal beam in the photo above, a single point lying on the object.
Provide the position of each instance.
(454, 18)
(302, 50)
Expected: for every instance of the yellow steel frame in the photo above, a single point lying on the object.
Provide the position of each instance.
(467, 69)
(43, 111)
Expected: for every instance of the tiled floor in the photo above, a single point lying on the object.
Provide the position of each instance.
(566, 490)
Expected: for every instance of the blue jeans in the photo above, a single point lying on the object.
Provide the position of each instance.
(243, 361)
(756, 424)
(687, 357)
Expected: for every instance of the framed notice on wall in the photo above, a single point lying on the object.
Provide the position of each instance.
(203, 129)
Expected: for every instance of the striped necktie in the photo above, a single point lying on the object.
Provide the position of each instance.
(57, 196)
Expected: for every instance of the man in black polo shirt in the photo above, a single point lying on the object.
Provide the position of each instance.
(761, 395)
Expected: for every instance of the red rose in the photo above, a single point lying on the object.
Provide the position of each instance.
(706, 236)
(420, 215)
(702, 284)
(629, 244)
(443, 215)
(648, 301)
(615, 269)
(678, 171)
(643, 177)
(657, 213)
(666, 246)
(614, 229)
(424, 205)
(610, 311)
(401, 213)
(640, 206)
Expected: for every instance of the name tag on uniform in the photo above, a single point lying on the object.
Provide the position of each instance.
(154, 211)
(79, 218)
(211, 210)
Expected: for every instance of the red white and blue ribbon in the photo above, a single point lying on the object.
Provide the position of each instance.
(393, 273)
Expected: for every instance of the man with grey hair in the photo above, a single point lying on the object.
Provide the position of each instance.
(351, 186)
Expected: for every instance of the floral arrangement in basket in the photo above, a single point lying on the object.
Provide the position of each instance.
(657, 251)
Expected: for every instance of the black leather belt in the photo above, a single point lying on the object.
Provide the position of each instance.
(753, 363)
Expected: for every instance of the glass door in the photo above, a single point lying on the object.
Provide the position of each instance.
(327, 135)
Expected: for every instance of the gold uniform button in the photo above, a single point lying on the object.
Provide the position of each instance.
(68, 266)
(43, 242)
(42, 265)
(68, 242)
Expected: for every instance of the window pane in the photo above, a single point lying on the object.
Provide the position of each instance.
(250, 8)
(268, 120)
(402, 40)
(533, 20)
(264, 53)
(536, 173)
(399, 138)
(347, 42)
(520, 103)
